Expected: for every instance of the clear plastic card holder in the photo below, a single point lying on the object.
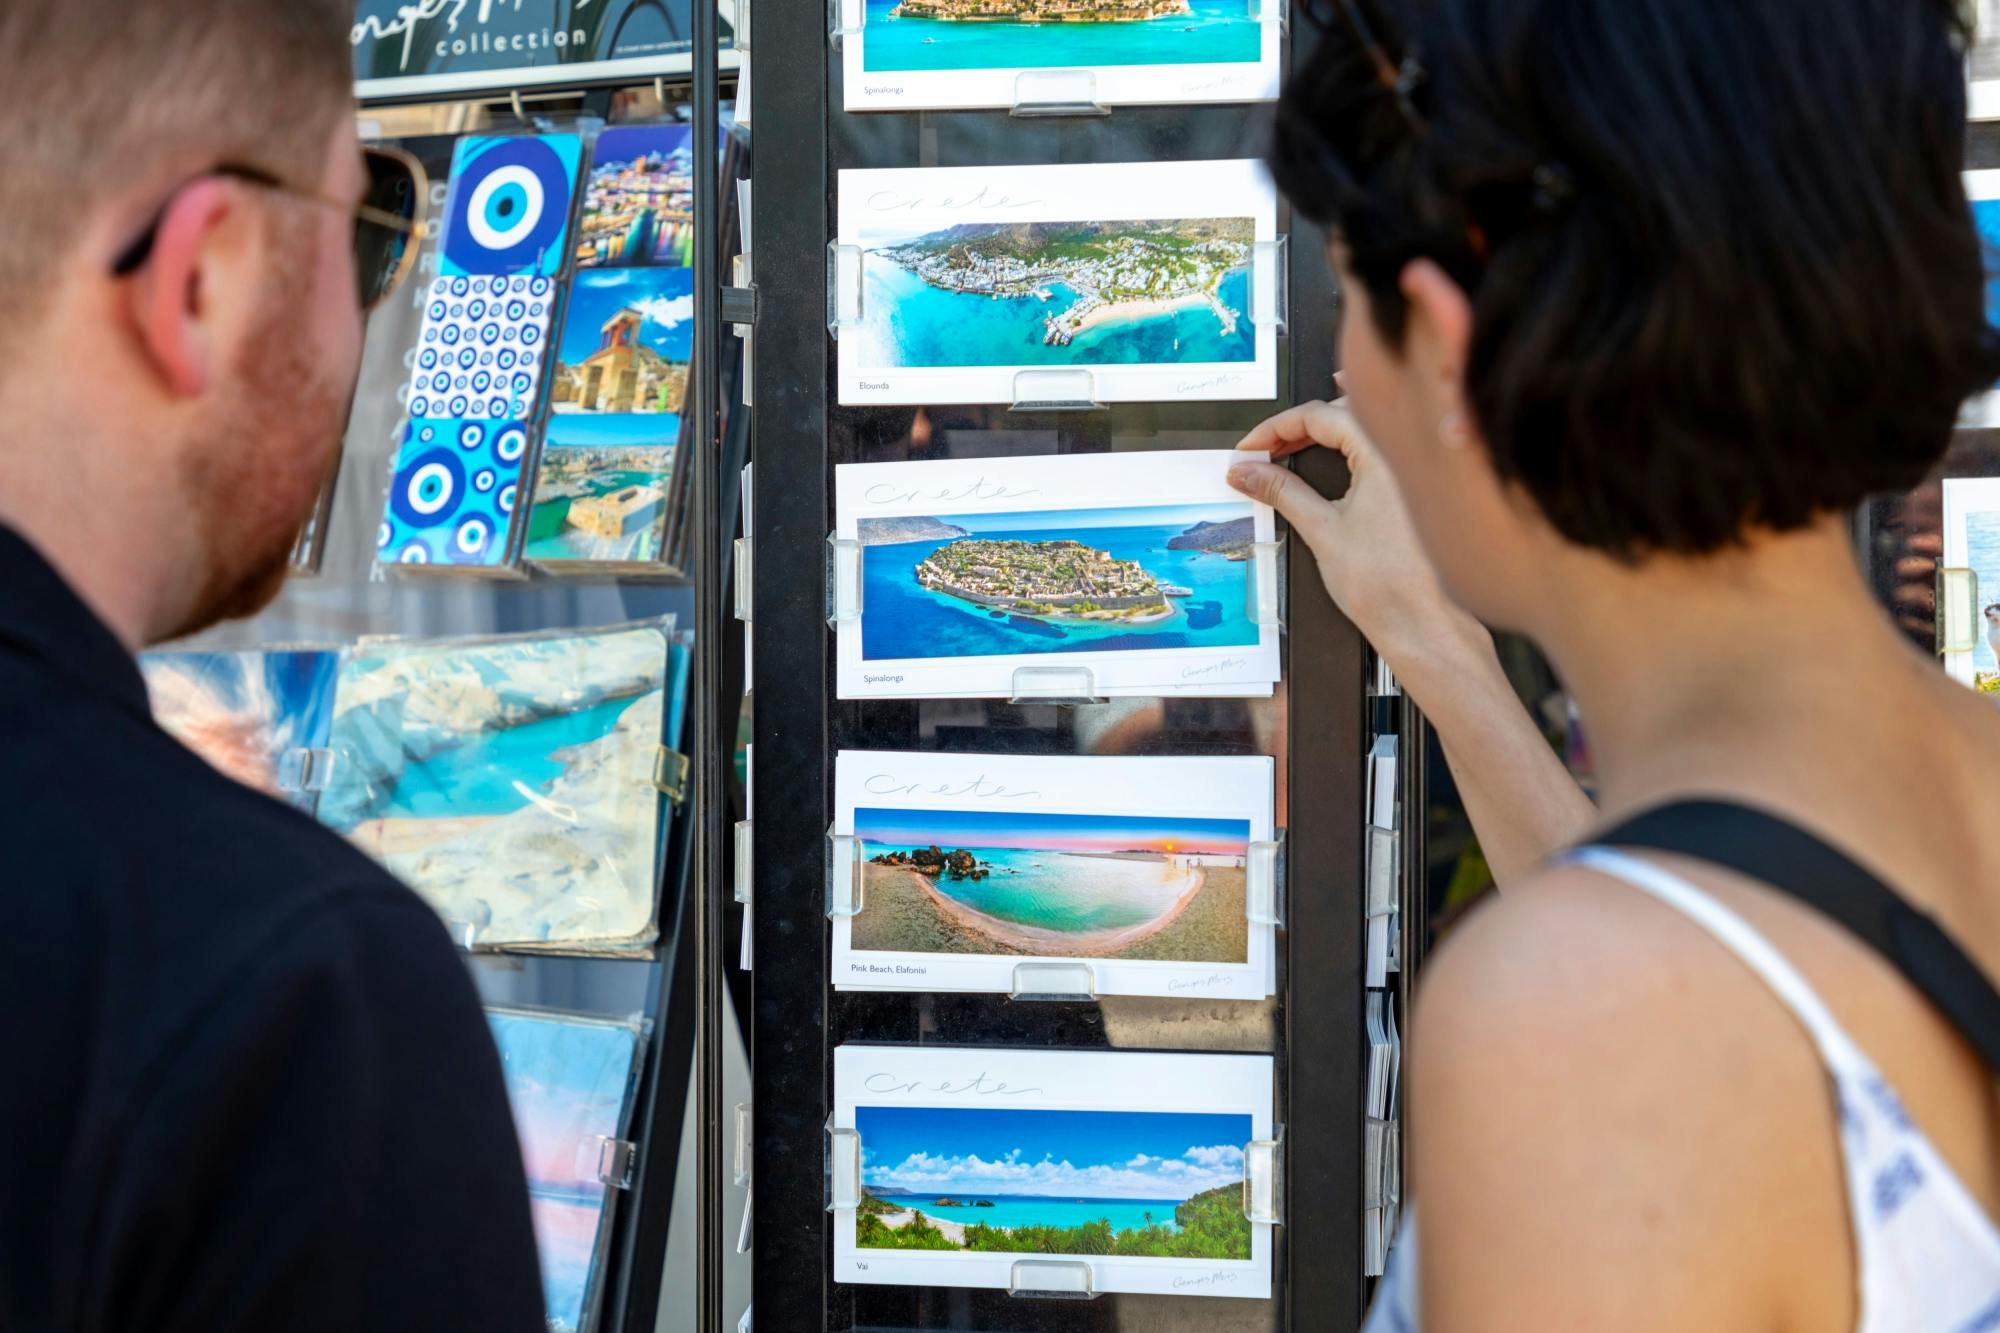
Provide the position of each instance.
(1264, 882)
(1052, 1280)
(742, 585)
(843, 286)
(1054, 980)
(843, 1168)
(1265, 588)
(1958, 610)
(1070, 389)
(670, 774)
(744, 1233)
(1270, 262)
(739, 27)
(740, 1118)
(1263, 11)
(1384, 858)
(741, 279)
(1384, 684)
(843, 875)
(843, 581)
(1264, 1180)
(743, 1324)
(1054, 685)
(1057, 92)
(1374, 1153)
(304, 769)
(612, 1161)
(745, 866)
(845, 18)
(465, 934)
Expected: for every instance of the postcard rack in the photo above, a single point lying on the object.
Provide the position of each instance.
(803, 873)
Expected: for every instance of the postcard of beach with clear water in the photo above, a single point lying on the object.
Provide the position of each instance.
(1972, 541)
(1141, 282)
(909, 55)
(973, 1160)
(251, 715)
(510, 781)
(1135, 868)
(1135, 569)
(569, 1082)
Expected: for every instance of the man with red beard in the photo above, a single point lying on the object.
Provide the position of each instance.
(249, 1083)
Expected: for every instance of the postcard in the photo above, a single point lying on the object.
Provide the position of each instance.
(1135, 869)
(510, 781)
(1983, 63)
(251, 715)
(627, 338)
(1135, 570)
(638, 201)
(569, 1084)
(601, 490)
(973, 1161)
(1983, 189)
(509, 205)
(479, 356)
(452, 496)
(910, 55)
(1972, 542)
(1126, 282)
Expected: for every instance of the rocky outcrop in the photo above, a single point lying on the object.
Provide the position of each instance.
(1233, 538)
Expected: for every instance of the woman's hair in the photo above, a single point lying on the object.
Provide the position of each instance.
(1723, 270)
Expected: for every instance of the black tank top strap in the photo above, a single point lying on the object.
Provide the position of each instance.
(1785, 857)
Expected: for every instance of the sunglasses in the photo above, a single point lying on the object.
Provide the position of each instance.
(389, 227)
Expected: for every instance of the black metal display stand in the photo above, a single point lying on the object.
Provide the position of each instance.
(1317, 727)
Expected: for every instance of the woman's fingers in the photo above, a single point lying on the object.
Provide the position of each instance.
(1327, 425)
(1309, 512)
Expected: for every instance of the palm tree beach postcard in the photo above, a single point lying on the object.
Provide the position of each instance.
(964, 1164)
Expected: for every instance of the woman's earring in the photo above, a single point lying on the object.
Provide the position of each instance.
(1451, 429)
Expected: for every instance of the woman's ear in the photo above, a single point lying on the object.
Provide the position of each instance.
(1436, 344)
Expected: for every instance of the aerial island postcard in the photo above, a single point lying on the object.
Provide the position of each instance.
(510, 781)
(971, 1160)
(971, 569)
(970, 864)
(251, 715)
(1144, 281)
(907, 55)
(569, 1081)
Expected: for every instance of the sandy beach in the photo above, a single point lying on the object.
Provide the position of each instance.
(1120, 312)
(904, 912)
(953, 1231)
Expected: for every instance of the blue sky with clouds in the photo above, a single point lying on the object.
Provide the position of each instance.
(664, 295)
(1051, 1154)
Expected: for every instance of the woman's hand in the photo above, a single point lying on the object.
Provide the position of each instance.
(1368, 552)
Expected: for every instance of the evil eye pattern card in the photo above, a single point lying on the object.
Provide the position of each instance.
(451, 501)
(510, 204)
(480, 355)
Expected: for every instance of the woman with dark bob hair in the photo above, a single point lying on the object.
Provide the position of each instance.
(1642, 298)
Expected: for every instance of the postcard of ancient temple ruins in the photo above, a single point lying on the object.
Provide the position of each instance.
(1015, 873)
(1079, 575)
(909, 55)
(1079, 1171)
(1079, 284)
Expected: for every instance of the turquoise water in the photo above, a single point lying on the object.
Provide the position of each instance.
(906, 620)
(1016, 1211)
(1982, 549)
(480, 776)
(1057, 891)
(908, 322)
(1223, 33)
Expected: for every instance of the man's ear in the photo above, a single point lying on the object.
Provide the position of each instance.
(184, 301)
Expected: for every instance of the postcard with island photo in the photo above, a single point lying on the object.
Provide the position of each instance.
(254, 716)
(973, 1160)
(912, 55)
(1972, 542)
(570, 1080)
(1127, 282)
(1137, 869)
(510, 781)
(1139, 571)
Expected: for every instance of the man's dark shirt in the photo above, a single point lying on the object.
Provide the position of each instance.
(247, 1083)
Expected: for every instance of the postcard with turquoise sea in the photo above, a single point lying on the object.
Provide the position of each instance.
(1139, 1166)
(1150, 876)
(909, 55)
(510, 781)
(970, 570)
(601, 491)
(569, 1084)
(255, 716)
(1122, 283)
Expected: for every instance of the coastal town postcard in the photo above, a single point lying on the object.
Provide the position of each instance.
(1132, 1164)
(1138, 282)
(1972, 542)
(1135, 868)
(910, 55)
(1130, 573)
(510, 781)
